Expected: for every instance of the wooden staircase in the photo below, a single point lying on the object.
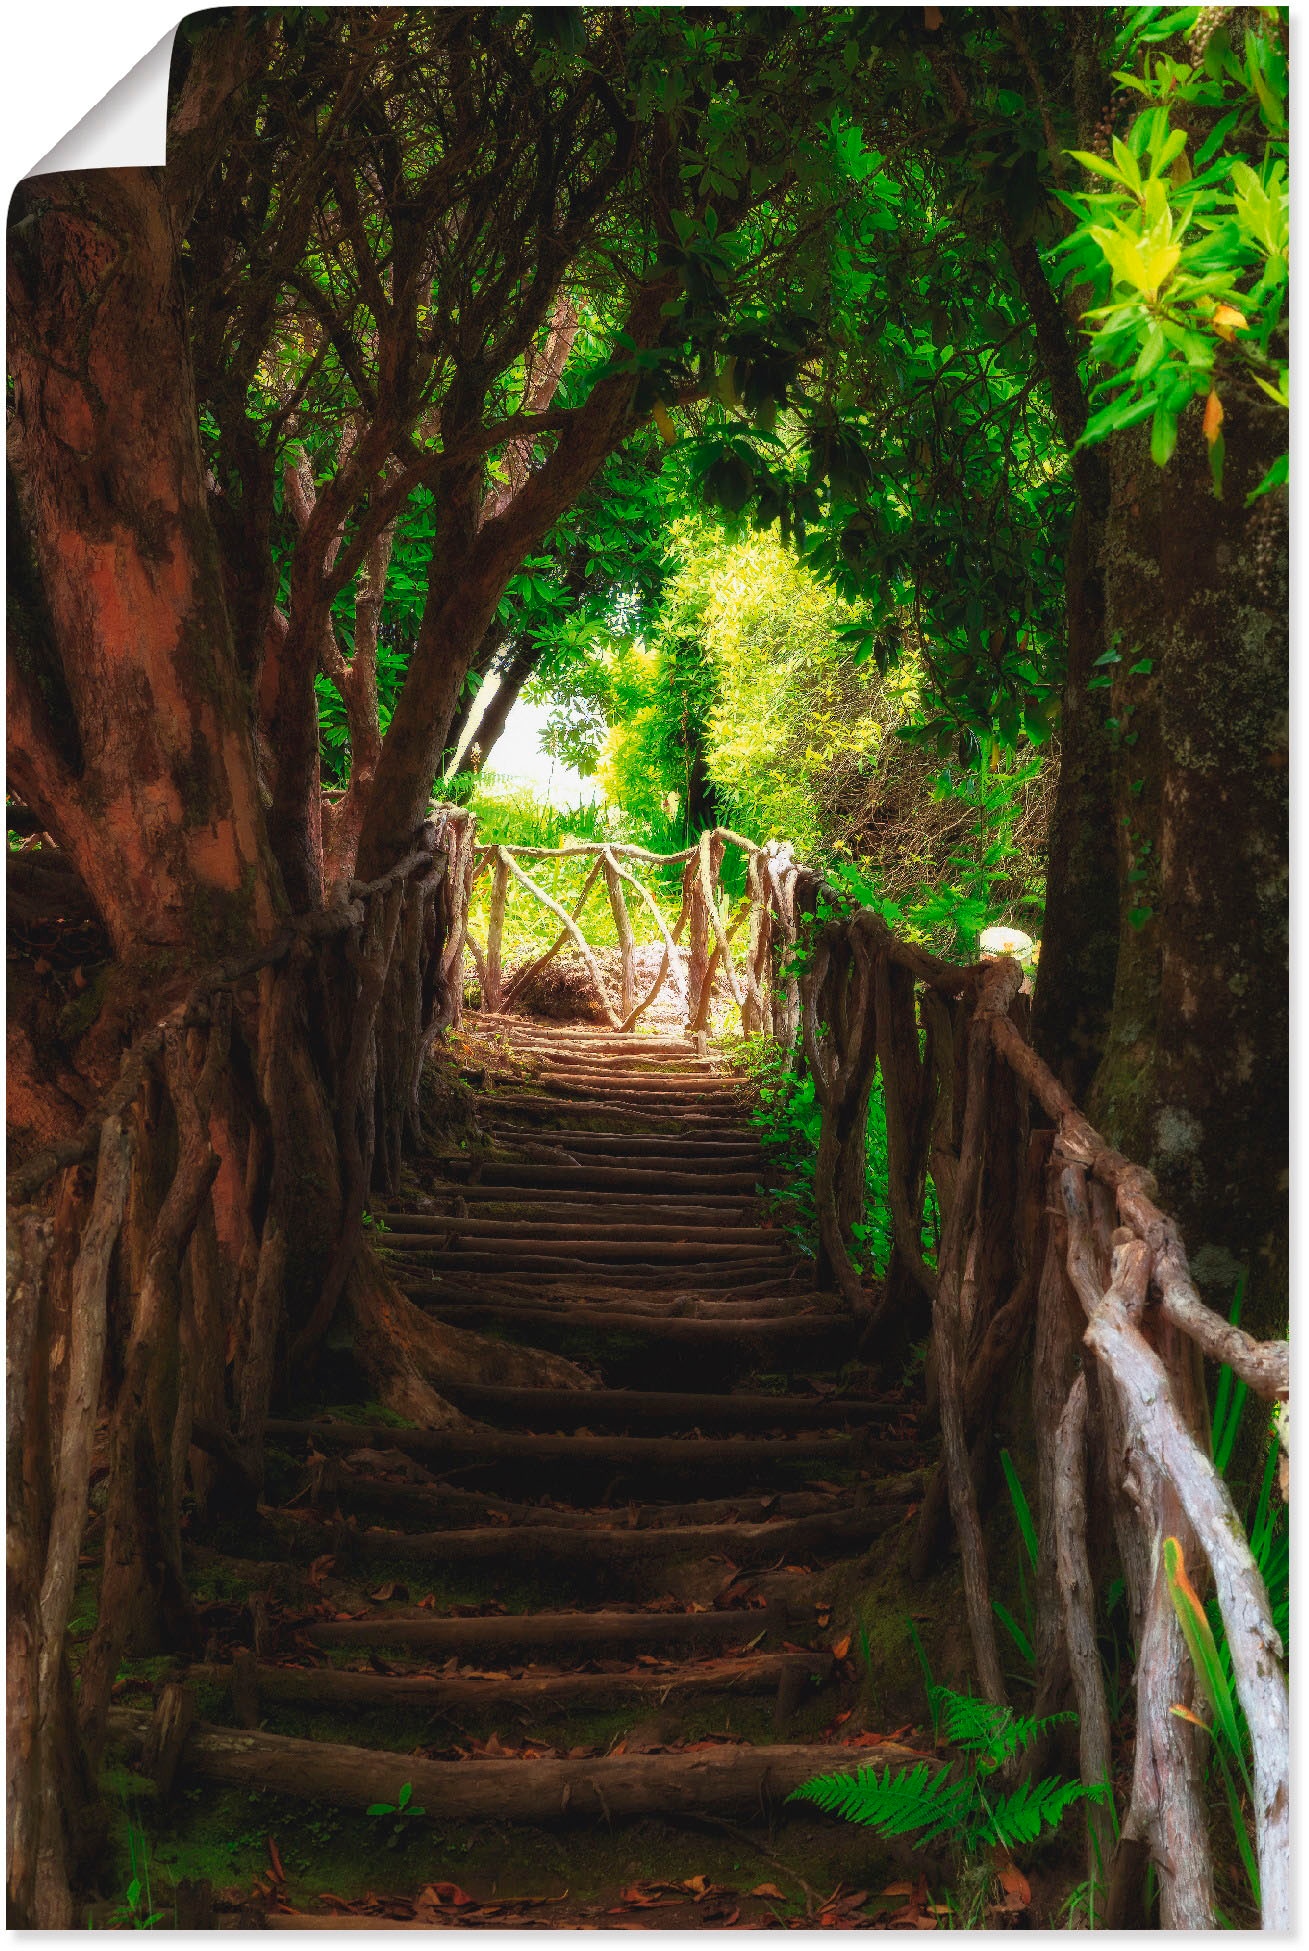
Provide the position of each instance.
(657, 1550)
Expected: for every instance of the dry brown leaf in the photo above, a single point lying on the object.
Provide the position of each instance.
(771, 1890)
(840, 1647)
(1017, 1890)
(446, 1893)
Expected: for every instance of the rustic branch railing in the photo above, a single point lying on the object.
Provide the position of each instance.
(1048, 1236)
(704, 918)
(161, 1291)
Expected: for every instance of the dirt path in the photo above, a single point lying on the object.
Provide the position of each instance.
(591, 1634)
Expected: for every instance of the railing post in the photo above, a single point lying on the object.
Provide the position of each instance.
(493, 987)
(626, 934)
(702, 876)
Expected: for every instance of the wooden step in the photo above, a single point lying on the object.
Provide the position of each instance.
(743, 1673)
(652, 1144)
(559, 1257)
(502, 1172)
(632, 1157)
(617, 1408)
(597, 1552)
(823, 1340)
(404, 1230)
(631, 1110)
(574, 1199)
(727, 1779)
(485, 1448)
(581, 1634)
(339, 1485)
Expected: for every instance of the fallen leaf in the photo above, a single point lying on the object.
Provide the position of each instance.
(841, 1647)
(1018, 1891)
(276, 1861)
(637, 1898)
(698, 1884)
(446, 1893)
(771, 1890)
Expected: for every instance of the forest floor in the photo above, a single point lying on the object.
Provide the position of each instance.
(561, 1666)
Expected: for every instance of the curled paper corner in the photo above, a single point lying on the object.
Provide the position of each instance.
(127, 128)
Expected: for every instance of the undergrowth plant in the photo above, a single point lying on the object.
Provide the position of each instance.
(136, 1911)
(988, 878)
(969, 1805)
(404, 1809)
(789, 1121)
(1202, 1623)
(1023, 1636)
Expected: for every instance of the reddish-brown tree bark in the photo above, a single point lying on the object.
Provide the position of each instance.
(129, 733)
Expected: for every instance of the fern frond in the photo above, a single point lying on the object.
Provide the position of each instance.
(993, 1734)
(1020, 1816)
(894, 1805)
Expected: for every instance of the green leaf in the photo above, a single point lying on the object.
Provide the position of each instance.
(1156, 345)
(1015, 1631)
(1163, 436)
(1097, 165)
(1123, 412)
(1217, 454)
(1276, 477)
(1022, 1509)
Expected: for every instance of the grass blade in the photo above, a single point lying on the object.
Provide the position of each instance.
(1201, 1645)
(1022, 1509)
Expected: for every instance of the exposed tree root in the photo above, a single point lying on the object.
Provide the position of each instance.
(409, 1357)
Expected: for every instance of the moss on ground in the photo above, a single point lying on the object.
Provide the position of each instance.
(222, 1835)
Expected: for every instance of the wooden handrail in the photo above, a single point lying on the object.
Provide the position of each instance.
(852, 1011)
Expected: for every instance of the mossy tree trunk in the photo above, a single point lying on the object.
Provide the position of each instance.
(1194, 1078)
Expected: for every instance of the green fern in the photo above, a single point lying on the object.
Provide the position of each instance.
(994, 1734)
(917, 1802)
(925, 1802)
(1019, 1816)
(918, 1798)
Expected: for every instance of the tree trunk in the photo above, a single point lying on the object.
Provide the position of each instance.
(496, 716)
(1079, 937)
(131, 743)
(466, 585)
(128, 730)
(1194, 1080)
